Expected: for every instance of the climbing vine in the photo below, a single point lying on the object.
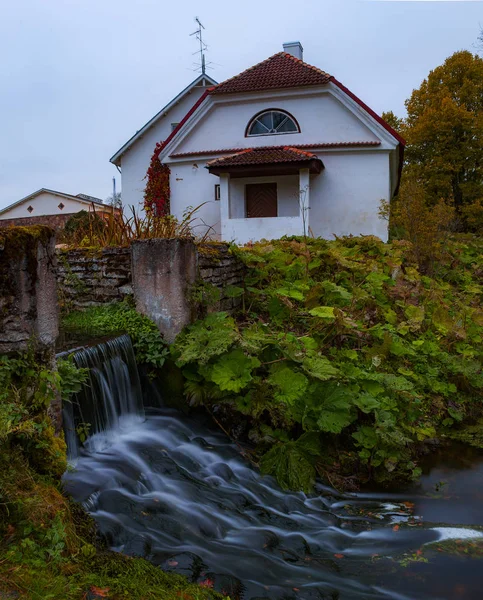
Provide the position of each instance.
(157, 192)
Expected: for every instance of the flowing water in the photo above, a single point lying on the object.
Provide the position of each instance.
(178, 492)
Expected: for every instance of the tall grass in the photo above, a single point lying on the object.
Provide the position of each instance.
(117, 229)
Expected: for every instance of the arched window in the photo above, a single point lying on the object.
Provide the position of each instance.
(272, 122)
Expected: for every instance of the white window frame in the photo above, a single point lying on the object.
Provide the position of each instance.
(288, 116)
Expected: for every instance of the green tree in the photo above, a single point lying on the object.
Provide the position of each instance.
(395, 122)
(444, 131)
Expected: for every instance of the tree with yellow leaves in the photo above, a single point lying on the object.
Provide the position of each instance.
(444, 134)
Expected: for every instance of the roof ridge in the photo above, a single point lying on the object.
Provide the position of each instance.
(212, 89)
(281, 70)
(305, 64)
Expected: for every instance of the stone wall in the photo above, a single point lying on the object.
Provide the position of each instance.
(28, 291)
(170, 279)
(91, 278)
(218, 267)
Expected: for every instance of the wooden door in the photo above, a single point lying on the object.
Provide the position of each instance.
(261, 200)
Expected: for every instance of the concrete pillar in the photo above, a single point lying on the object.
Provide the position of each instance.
(28, 290)
(28, 298)
(224, 202)
(304, 198)
(162, 272)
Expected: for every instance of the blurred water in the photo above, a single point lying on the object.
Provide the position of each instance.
(174, 490)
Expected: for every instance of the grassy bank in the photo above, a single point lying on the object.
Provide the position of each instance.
(49, 548)
(347, 359)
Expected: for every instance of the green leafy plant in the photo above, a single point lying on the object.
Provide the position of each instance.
(351, 341)
(112, 319)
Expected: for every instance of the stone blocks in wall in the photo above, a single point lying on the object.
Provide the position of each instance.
(28, 291)
(160, 273)
(163, 272)
(218, 267)
(92, 278)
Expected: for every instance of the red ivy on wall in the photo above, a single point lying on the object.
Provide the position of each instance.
(157, 191)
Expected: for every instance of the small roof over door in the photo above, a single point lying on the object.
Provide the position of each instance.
(266, 160)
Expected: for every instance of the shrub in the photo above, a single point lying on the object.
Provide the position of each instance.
(427, 226)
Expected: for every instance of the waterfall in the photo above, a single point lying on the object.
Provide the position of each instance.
(111, 400)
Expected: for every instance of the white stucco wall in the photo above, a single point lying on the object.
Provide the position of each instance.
(345, 197)
(135, 162)
(192, 185)
(46, 203)
(287, 195)
(322, 118)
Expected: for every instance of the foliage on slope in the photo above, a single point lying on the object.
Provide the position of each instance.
(113, 319)
(48, 547)
(345, 350)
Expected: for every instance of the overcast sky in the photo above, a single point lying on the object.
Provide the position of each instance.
(79, 77)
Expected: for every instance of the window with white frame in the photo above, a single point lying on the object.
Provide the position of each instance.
(272, 122)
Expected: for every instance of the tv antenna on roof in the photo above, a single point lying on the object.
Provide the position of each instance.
(203, 47)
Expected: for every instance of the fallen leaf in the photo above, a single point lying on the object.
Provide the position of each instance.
(101, 592)
(339, 555)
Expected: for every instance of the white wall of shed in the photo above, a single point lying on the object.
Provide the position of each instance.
(47, 203)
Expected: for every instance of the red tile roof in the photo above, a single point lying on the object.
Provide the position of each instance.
(281, 70)
(370, 143)
(266, 155)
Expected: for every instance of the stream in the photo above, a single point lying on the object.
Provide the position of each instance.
(175, 490)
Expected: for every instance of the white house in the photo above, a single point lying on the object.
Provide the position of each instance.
(48, 207)
(282, 148)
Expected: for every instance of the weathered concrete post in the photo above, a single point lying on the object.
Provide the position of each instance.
(162, 272)
(28, 297)
(28, 289)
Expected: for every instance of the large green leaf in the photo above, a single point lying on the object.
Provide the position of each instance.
(291, 464)
(233, 371)
(319, 367)
(289, 385)
(323, 312)
(336, 293)
(366, 402)
(334, 406)
(293, 293)
(205, 339)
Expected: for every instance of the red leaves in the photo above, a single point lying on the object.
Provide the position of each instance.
(208, 583)
(157, 192)
(339, 555)
(100, 592)
(395, 528)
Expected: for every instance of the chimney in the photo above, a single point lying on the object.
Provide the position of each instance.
(295, 49)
